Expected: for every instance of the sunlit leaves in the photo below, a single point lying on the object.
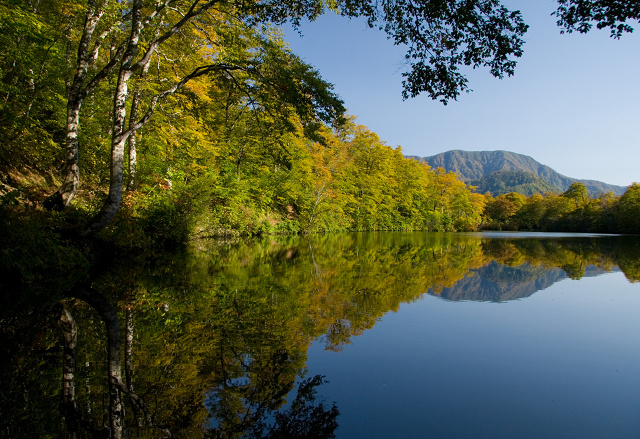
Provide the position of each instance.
(629, 213)
(32, 73)
(572, 211)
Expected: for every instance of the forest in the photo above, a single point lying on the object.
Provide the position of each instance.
(184, 119)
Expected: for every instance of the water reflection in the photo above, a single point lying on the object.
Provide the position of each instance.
(212, 342)
(499, 283)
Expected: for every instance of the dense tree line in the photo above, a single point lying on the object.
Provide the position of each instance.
(572, 211)
(194, 117)
(118, 97)
(348, 181)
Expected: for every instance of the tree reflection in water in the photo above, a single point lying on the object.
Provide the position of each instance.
(212, 341)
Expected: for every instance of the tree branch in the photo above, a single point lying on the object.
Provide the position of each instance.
(108, 68)
(192, 12)
(200, 71)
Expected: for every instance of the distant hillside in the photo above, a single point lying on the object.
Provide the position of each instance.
(522, 182)
(505, 172)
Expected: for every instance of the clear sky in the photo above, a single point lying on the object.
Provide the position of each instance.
(573, 103)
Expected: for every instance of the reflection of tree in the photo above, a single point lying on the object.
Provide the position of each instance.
(304, 418)
(574, 269)
(252, 374)
(572, 255)
(338, 335)
(76, 421)
(627, 257)
(234, 321)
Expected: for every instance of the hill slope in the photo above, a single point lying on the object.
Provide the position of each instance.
(522, 182)
(474, 166)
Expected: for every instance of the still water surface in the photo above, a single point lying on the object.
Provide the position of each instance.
(417, 335)
(561, 363)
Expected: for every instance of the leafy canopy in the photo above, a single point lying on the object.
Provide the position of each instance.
(442, 36)
(581, 15)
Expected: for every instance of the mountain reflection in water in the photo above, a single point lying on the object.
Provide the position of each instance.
(498, 283)
(212, 341)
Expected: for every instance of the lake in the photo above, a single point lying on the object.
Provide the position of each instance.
(370, 335)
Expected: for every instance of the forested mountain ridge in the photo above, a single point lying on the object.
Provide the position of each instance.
(504, 182)
(475, 166)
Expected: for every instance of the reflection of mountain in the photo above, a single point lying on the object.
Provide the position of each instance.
(222, 330)
(499, 283)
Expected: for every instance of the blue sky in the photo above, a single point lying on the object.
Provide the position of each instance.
(573, 103)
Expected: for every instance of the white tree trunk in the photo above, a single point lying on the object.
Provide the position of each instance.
(88, 49)
(118, 133)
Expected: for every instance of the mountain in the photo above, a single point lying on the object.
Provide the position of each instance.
(503, 171)
(522, 182)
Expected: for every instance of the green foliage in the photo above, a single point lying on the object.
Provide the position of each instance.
(581, 15)
(32, 72)
(629, 210)
(573, 211)
(503, 182)
(499, 212)
(276, 182)
(577, 192)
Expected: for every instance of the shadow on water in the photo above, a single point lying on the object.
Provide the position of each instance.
(212, 341)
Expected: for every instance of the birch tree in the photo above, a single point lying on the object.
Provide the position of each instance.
(123, 40)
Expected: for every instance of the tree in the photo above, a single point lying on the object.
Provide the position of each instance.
(578, 193)
(530, 215)
(581, 15)
(32, 72)
(629, 210)
(499, 211)
(442, 36)
(120, 41)
(138, 35)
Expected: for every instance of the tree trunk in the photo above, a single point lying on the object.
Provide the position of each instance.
(116, 408)
(128, 366)
(133, 118)
(75, 96)
(71, 182)
(118, 133)
(133, 159)
(112, 204)
(76, 423)
(68, 405)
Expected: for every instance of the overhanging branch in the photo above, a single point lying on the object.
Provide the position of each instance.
(200, 71)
